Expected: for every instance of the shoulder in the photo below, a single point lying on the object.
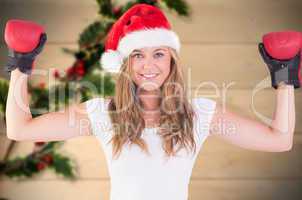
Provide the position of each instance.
(204, 110)
(97, 110)
(97, 107)
(97, 103)
(204, 105)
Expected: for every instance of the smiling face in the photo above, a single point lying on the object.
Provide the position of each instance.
(150, 67)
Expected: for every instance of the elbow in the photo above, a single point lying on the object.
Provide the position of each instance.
(285, 141)
(288, 147)
(16, 138)
(16, 133)
(12, 136)
(290, 142)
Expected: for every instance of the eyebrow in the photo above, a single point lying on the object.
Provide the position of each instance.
(137, 50)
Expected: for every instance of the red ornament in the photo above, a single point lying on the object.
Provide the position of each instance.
(40, 165)
(70, 71)
(56, 74)
(117, 10)
(47, 158)
(79, 68)
(41, 85)
(39, 143)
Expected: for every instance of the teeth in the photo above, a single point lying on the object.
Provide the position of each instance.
(149, 75)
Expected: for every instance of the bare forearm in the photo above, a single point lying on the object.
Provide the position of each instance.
(284, 115)
(17, 106)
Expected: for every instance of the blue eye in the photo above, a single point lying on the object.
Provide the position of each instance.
(161, 54)
(138, 55)
(135, 55)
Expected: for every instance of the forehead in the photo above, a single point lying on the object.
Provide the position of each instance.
(151, 49)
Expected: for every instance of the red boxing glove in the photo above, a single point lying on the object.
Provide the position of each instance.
(25, 40)
(282, 45)
(22, 36)
(281, 52)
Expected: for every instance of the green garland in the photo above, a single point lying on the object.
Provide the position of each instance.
(42, 157)
(85, 67)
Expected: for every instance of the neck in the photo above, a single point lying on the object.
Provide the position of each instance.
(150, 100)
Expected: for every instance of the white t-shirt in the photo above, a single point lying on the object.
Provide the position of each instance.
(138, 176)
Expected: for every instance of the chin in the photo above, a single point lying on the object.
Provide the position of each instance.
(146, 85)
(150, 88)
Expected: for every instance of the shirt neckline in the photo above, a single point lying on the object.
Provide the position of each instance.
(151, 128)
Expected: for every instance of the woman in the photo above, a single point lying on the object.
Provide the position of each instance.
(149, 128)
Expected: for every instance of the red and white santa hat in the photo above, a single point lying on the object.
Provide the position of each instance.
(140, 26)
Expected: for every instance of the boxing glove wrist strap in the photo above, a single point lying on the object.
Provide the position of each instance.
(286, 71)
(23, 63)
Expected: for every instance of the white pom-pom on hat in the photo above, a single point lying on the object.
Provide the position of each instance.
(111, 61)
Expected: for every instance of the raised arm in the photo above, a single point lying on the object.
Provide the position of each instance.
(281, 51)
(61, 125)
(25, 41)
(256, 135)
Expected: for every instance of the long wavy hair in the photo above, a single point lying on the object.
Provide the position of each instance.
(176, 113)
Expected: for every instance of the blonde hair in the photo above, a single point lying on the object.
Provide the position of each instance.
(175, 128)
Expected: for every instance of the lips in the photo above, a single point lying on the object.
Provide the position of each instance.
(148, 76)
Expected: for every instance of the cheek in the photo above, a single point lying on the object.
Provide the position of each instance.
(166, 68)
(134, 73)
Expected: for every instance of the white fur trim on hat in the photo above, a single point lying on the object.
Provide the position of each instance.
(148, 37)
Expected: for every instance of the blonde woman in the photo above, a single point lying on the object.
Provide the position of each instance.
(151, 133)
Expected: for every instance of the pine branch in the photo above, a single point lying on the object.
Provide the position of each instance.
(180, 6)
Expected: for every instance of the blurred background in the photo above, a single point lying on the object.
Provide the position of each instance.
(219, 53)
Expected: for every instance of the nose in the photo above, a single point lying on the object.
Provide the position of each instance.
(148, 62)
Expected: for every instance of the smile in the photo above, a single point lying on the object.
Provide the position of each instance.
(148, 76)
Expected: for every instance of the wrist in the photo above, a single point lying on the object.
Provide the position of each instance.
(286, 77)
(17, 75)
(283, 85)
(23, 64)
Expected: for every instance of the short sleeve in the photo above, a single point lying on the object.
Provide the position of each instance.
(97, 110)
(204, 109)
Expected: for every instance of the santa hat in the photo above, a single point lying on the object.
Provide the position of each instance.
(140, 26)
